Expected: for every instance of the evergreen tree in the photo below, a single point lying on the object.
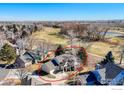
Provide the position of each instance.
(35, 28)
(59, 50)
(24, 34)
(7, 53)
(108, 58)
(81, 54)
(15, 28)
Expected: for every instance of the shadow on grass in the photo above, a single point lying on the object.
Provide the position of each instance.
(57, 35)
(121, 36)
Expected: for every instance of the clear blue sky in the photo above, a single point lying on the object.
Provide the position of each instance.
(21, 12)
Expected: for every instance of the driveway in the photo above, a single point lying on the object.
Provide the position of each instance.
(3, 73)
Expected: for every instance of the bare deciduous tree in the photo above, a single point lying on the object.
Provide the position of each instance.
(22, 73)
(86, 31)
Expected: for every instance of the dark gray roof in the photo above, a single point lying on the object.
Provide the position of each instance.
(32, 54)
(112, 70)
(48, 66)
(26, 58)
(66, 57)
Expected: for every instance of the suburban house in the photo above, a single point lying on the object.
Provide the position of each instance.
(64, 62)
(107, 74)
(10, 34)
(2, 39)
(25, 59)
